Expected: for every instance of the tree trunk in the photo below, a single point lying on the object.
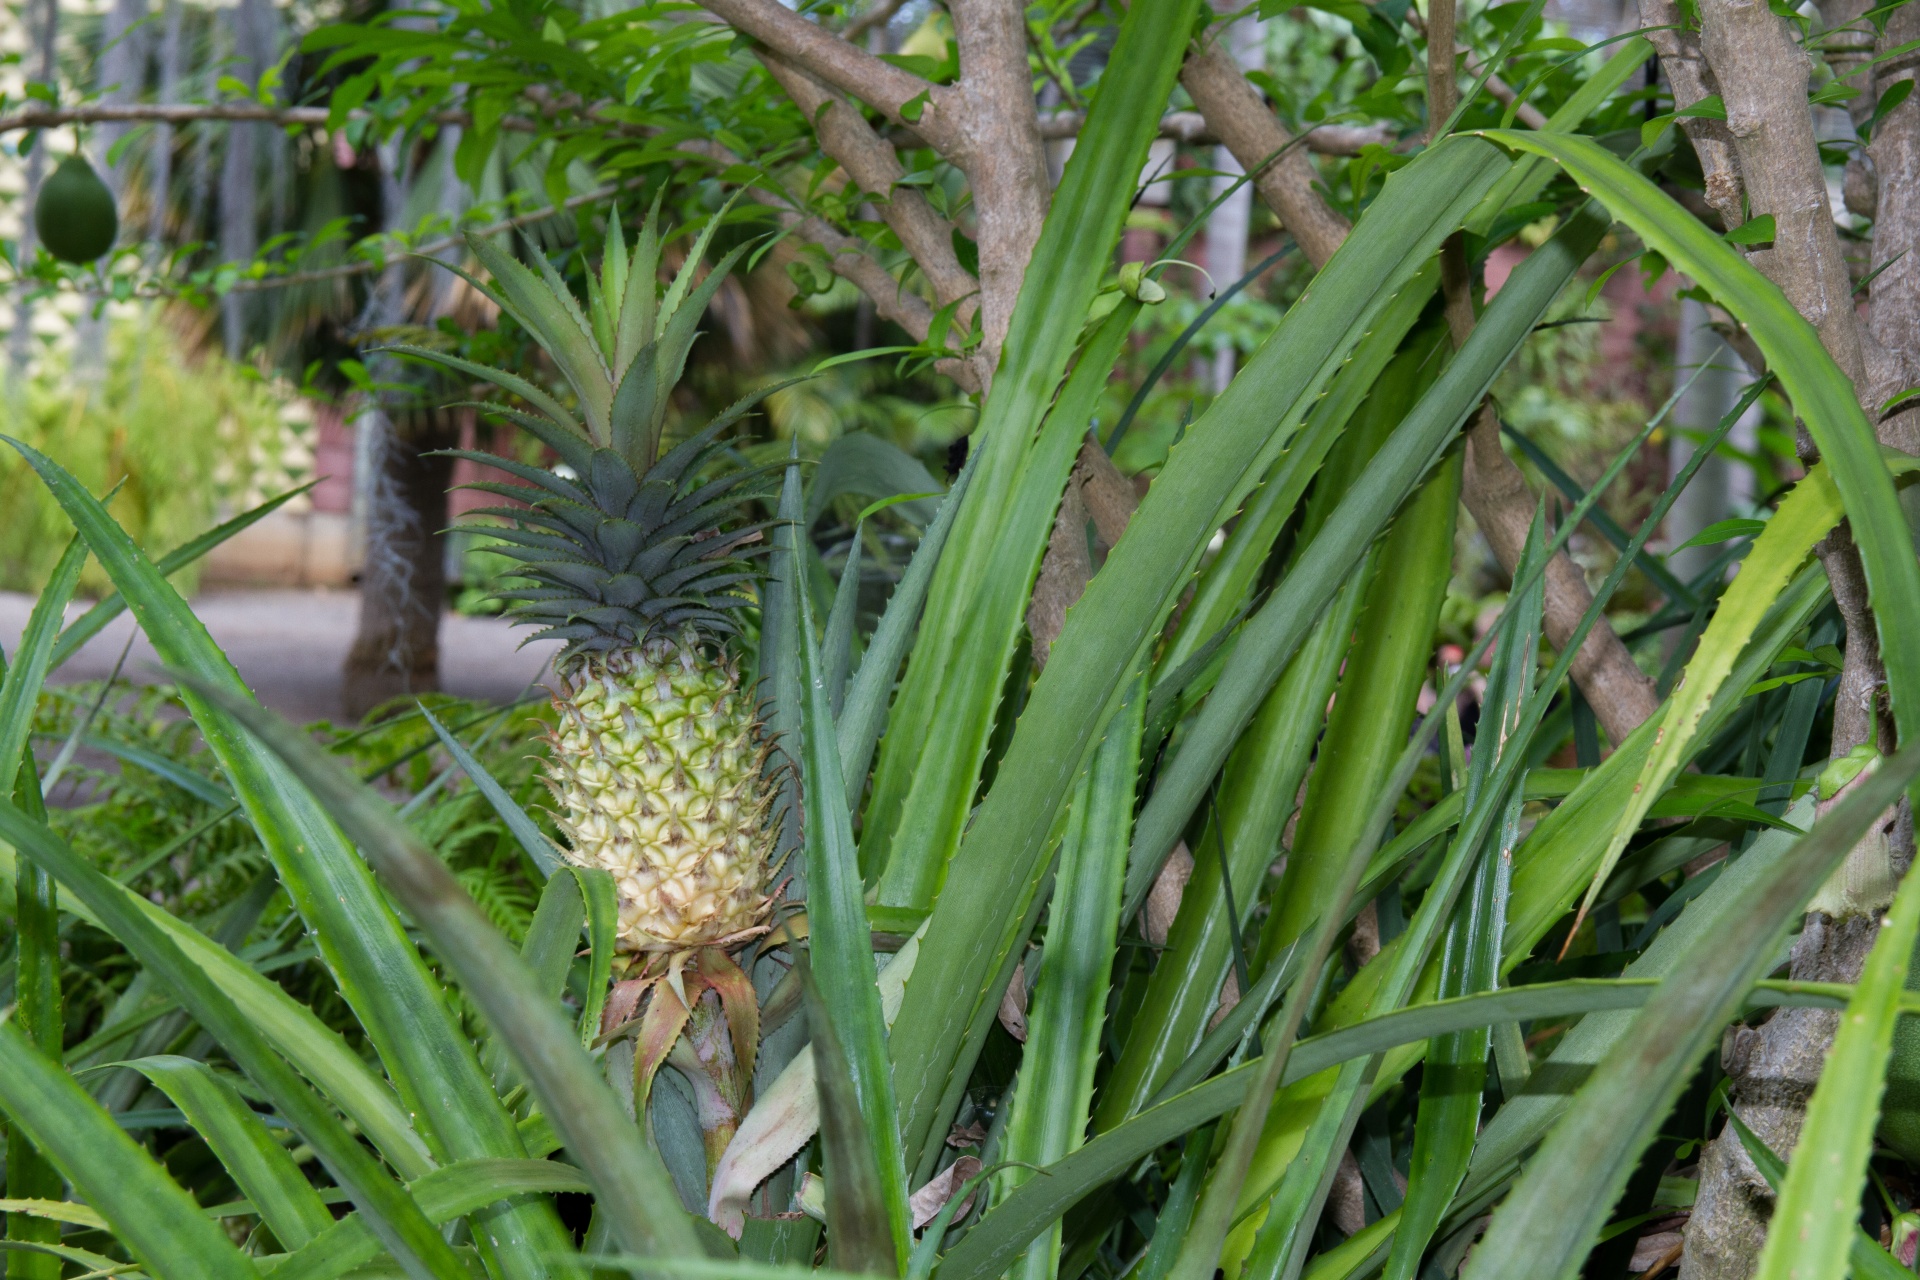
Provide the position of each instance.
(403, 586)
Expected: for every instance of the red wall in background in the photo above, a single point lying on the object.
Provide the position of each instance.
(333, 461)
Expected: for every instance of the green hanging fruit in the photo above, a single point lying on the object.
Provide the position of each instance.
(74, 213)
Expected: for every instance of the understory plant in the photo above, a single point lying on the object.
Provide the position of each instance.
(1131, 893)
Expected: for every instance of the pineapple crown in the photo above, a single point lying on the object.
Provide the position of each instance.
(634, 543)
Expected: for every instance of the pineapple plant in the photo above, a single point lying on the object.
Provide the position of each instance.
(637, 558)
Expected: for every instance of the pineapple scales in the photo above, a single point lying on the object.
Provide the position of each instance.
(635, 560)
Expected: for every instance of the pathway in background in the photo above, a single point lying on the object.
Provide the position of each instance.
(288, 646)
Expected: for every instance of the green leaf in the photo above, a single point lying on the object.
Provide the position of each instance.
(864, 712)
(838, 640)
(1753, 231)
(1270, 637)
(379, 970)
(1224, 452)
(1723, 531)
(942, 719)
(1811, 1235)
(841, 963)
(259, 1165)
(443, 1195)
(1822, 395)
(536, 845)
(401, 1226)
(992, 1244)
(934, 812)
(780, 652)
(1054, 1094)
(32, 660)
(1808, 512)
(1870, 1261)
(94, 620)
(632, 1185)
(148, 1212)
(864, 464)
(1561, 1201)
(36, 915)
(862, 1235)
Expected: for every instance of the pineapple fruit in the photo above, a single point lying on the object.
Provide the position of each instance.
(661, 783)
(637, 558)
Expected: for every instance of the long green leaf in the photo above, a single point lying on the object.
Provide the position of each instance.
(1054, 1095)
(378, 968)
(36, 911)
(861, 1233)
(1009, 510)
(999, 1238)
(1258, 787)
(1822, 395)
(94, 620)
(864, 713)
(1271, 635)
(1870, 1261)
(1128, 600)
(259, 1166)
(935, 808)
(536, 845)
(1812, 1234)
(1803, 518)
(632, 1185)
(148, 1211)
(840, 942)
(398, 1220)
(1560, 1202)
(445, 1194)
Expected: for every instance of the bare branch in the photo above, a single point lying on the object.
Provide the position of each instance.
(1526, 113)
(1762, 76)
(190, 112)
(878, 16)
(1191, 126)
(1244, 125)
(881, 85)
(433, 248)
(872, 163)
(1003, 157)
(1692, 81)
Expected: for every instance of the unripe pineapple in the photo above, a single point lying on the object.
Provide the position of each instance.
(661, 781)
(635, 559)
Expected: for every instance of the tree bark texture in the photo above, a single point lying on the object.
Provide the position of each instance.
(403, 585)
(1764, 160)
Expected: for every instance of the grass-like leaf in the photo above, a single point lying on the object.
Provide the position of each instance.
(632, 1186)
(379, 970)
(1812, 1233)
(1127, 602)
(840, 951)
(147, 1210)
(1561, 1201)
(1823, 396)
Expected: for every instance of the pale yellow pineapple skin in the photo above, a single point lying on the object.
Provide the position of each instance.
(659, 771)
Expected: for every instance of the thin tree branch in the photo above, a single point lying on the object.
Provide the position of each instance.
(1003, 157)
(434, 248)
(1191, 126)
(878, 16)
(875, 167)
(1180, 126)
(1762, 76)
(1241, 120)
(881, 85)
(1692, 81)
(1526, 113)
